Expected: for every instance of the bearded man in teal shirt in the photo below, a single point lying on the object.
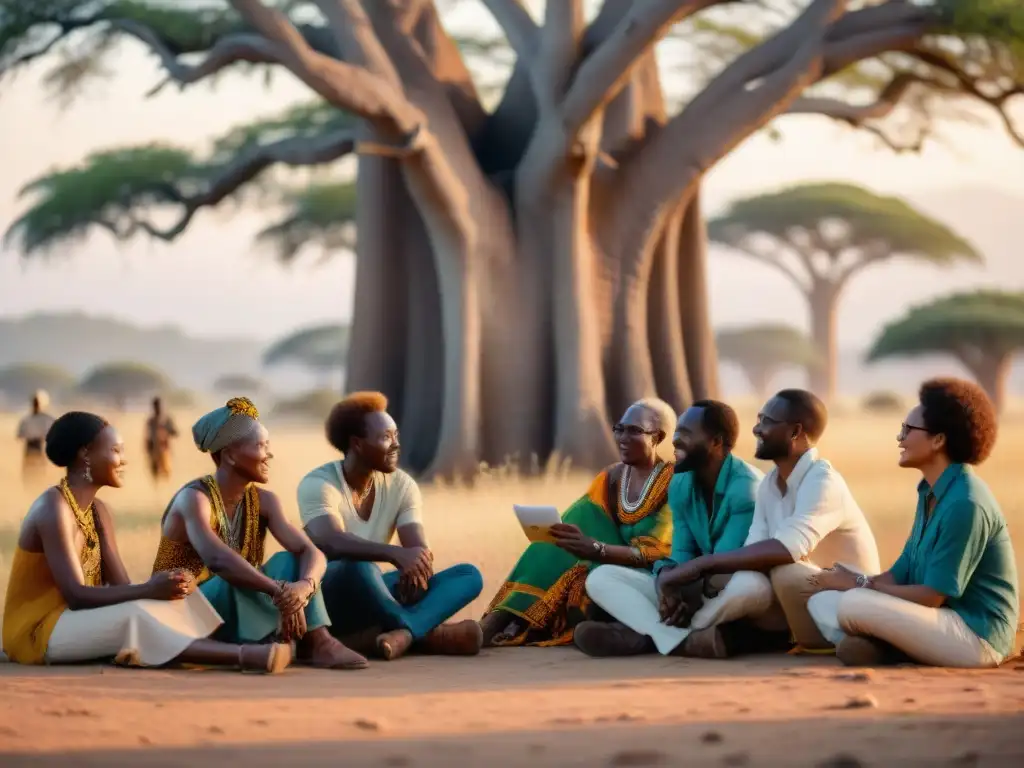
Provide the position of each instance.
(712, 502)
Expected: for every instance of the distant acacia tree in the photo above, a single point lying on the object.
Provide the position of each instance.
(320, 349)
(764, 350)
(309, 406)
(822, 235)
(20, 382)
(238, 384)
(983, 330)
(122, 383)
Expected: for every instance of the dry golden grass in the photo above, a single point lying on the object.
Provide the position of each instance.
(476, 524)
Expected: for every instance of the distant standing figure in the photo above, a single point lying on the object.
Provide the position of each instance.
(160, 430)
(32, 430)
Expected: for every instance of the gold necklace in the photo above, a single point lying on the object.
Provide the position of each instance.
(90, 556)
(357, 498)
(231, 532)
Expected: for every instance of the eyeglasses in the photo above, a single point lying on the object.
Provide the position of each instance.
(630, 429)
(906, 429)
(767, 421)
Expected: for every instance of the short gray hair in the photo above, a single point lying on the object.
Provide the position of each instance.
(665, 416)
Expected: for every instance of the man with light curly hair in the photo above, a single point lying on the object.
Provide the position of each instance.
(352, 509)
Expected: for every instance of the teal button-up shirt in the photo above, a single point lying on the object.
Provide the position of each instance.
(696, 530)
(963, 551)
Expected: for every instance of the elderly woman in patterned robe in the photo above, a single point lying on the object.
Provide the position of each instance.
(623, 519)
(216, 527)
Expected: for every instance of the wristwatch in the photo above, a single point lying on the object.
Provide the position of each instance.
(601, 549)
(863, 581)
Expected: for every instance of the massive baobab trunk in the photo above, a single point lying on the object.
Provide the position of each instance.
(665, 313)
(577, 252)
(694, 302)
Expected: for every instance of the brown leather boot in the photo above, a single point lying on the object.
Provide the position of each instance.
(707, 643)
(598, 638)
(859, 651)
(392, 645)
(461, 638)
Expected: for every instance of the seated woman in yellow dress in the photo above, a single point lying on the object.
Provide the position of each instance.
(69, 598)
(623, 519)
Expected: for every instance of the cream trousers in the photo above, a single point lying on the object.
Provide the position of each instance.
(933, 636)
(144, 633)
(773, 602)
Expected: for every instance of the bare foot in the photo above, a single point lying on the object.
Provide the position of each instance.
(463, 638)
(271, 658)
(391, 645)
(319, 649)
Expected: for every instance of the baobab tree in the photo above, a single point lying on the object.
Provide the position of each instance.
(982, 330)
(551, 250)
(762, 351)
(820, 236)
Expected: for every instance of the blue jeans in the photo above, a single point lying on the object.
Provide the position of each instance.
(250, 616)
(358, 595)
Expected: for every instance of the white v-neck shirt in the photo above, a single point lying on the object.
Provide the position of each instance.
(396, 502)
(816, 519)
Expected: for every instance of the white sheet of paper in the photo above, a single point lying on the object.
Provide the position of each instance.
(537, 521)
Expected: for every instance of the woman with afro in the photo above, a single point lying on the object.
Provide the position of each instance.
(951, 599)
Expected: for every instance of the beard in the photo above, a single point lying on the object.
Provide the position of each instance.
(771, 451)
(695, 459)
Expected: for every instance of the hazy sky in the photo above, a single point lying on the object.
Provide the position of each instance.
(213, 281)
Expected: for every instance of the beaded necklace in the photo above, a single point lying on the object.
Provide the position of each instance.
(90, 556)
(633, 506)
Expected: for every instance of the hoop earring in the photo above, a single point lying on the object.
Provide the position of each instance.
(87, 472)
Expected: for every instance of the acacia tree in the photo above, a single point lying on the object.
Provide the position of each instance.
(764, 350)
(321, 349)
(822, 235)
(983, 330)
(552, 248)
(119, 383)
(22, 381)
(234, 384)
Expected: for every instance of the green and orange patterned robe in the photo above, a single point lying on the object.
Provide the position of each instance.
(547, 587)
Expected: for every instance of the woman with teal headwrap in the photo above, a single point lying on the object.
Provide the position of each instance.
(215, 527)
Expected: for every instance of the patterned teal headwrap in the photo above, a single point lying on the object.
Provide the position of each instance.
(220, 428)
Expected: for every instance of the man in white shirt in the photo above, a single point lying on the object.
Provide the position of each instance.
(351, 509)
(32, 431)
(805, 519)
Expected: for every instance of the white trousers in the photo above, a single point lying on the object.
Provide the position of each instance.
(144, 633)
(631, 596)
(934, 636)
